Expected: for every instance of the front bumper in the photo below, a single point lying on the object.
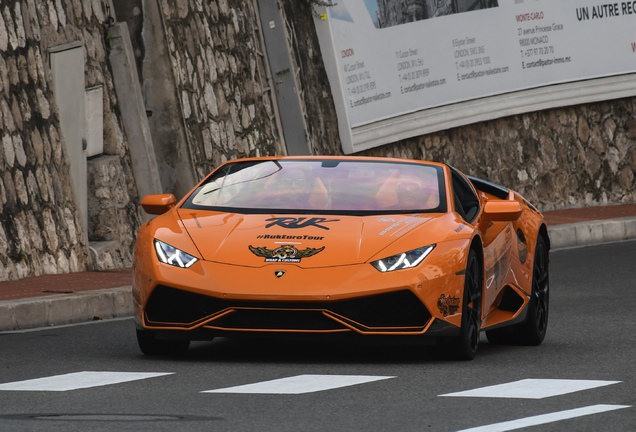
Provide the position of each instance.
(396, 312)
(213, 298)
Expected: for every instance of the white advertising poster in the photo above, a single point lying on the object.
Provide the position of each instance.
(402, 68)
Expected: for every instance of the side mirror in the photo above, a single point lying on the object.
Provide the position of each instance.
(158, 204)
(503, 211)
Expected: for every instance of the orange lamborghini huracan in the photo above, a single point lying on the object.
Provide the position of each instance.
(341, 245)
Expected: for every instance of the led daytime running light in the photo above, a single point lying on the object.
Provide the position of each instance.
(170, 255)
(404, 260)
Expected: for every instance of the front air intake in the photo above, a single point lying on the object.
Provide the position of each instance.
(170, 307)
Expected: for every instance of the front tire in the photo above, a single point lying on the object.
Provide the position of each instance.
(150, 345)
(464, 347)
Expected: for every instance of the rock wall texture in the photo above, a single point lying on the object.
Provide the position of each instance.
(40, 229)
(315, 91)
(215, 49)
(560, 158)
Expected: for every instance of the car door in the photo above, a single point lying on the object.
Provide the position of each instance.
(497, 237)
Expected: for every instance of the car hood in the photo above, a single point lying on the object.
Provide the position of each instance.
(308, 241)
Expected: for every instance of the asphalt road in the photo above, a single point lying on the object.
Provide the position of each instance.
(581, 378)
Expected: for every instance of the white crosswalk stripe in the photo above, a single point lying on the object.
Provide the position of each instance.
(309, 383)
(301, 384)
(78, 380)
(537, 389)
(545, 418)
(532, 388)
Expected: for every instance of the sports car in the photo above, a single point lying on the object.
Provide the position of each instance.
(354, 246)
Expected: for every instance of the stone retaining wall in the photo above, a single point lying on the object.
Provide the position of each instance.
(40, 229)
(216, 54)
(315, 91)
(560, 158)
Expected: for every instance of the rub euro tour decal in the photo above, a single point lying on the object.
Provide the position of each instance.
(301, 222)
(288, 237)
(448, 305)
(284, 253)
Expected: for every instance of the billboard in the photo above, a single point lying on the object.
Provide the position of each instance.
(402, 68)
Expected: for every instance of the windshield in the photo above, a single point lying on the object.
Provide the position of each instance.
(322, 186)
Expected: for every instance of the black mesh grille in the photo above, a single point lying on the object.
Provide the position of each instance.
(277, 319)
(401, 309)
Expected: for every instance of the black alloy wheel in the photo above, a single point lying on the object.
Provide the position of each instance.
(464, 347)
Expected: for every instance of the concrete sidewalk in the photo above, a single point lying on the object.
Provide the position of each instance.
(78, 297)
(65, 299)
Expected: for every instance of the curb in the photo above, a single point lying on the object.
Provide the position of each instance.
(66, 308)
(592, 233)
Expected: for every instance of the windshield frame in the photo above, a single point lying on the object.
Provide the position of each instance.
(233, 168)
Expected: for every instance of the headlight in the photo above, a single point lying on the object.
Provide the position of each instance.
(173, 256)
(404, 260)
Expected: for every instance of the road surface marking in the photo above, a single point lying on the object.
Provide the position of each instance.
(545, 418)
(300, 384)
(77, 380)
(533, 388)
